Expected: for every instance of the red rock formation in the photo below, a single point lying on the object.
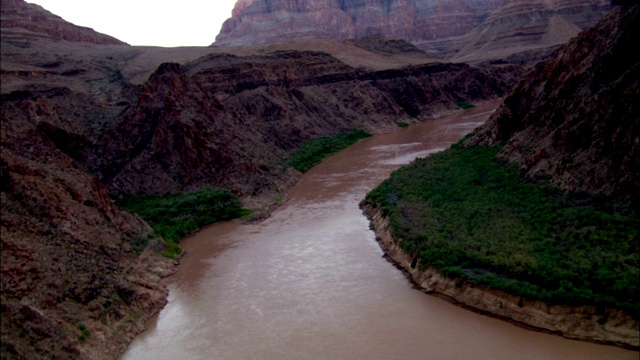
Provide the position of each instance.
(68, 254)
(576, 118)
(19, 15)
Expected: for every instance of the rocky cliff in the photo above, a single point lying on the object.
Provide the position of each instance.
(260, 21)
(575, 119)
(18, 17)
(468, 30)
(230, 121)
(76, 279)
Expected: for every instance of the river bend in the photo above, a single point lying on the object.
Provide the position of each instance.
(310, 282)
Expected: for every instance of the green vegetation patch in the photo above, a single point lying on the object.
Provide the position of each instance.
(84, 332)
(472, 217)
(402, 124)
(177, 215)
(313, 151)
(465, 105)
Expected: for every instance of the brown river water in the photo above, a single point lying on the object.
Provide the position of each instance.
(310, 282)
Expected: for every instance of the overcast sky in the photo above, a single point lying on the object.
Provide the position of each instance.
(147, 22)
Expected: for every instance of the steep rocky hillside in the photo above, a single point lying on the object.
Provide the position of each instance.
(75, 281)
(469, 30)
(575, 119)
(24, 21)
(230, 121)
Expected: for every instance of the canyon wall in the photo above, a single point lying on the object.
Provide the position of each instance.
(467, 30)
(230, 121)
(76, 280)
(575, 119)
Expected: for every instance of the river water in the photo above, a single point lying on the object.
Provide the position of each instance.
(310, 282)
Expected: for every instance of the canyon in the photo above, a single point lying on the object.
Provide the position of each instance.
(87, 119)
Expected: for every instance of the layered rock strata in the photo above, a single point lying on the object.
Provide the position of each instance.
(17, 14)
(465, 29)
(79, 277)
(521, 27)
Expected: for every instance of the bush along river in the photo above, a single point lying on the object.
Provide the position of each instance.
(311, 282)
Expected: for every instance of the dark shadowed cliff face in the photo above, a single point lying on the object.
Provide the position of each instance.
(468, 30)
(576, 118)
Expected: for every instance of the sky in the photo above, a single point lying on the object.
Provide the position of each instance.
(147, 22)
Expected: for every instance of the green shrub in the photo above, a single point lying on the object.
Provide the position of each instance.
(173, 250)
(465, 105)
(175, 216)
(84, 332)
(402, 124)
(474, 217)
(313, 151)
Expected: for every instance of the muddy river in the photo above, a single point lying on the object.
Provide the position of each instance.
(310, 282)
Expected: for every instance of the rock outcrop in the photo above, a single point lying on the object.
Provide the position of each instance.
(18, 17)
(70, 258)
(468, 30)
(79, 277)
(575, 119)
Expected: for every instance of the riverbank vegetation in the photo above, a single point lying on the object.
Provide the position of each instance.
(313, 151)
(473, 217)
(175, 216)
